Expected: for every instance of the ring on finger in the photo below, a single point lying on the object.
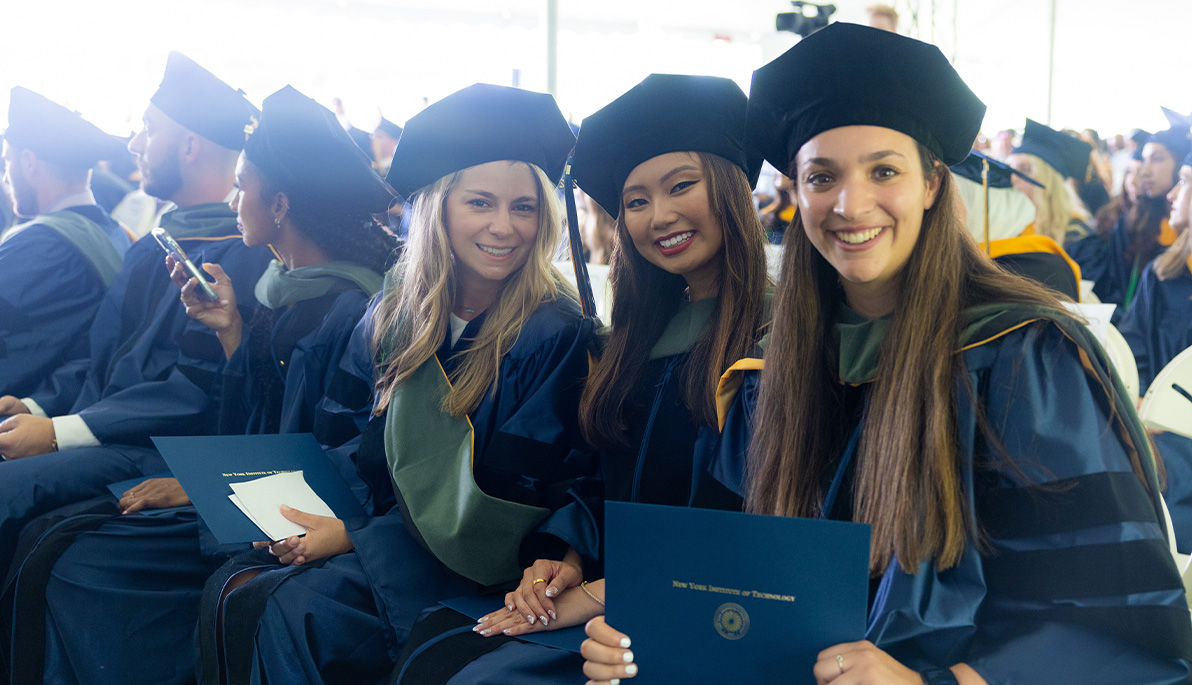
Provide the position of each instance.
(538, 580)
(840, 663)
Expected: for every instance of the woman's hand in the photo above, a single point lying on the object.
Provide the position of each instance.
(540, 583)
(325, 537)
(606, 654)
(574, 607)
(221, 316)
(856, 663)
(155, 493)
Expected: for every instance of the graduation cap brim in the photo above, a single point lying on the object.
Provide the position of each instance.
(56, 134)
(476, 125)
(999, 172)
(1069, 156)
(662, 114)
(302, 148)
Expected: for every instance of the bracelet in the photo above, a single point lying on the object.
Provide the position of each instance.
(54, 443)
(584, 586)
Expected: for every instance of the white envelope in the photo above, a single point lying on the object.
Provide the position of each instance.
(261, 501)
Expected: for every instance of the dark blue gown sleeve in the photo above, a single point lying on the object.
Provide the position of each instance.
(1075, 563)
(49, 293)
(1138, 327)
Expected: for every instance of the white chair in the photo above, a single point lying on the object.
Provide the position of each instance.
(1168, 402)
(1123, 361)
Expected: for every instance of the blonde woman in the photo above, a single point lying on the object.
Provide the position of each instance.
(1051, 158)
(480, 351)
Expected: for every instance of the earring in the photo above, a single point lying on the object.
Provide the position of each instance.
(277, 222)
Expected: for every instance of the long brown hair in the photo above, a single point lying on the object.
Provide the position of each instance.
(908, 485)
(413, 316)
(645, 298)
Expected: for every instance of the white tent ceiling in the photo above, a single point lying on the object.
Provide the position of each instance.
(1114, 62)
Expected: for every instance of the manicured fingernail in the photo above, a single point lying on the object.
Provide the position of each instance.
(631, 669)
(477, 629)
(615, 681)
(551, 592)
(627, 657)
(543, 619)
(487, 631)
(530, 619)
(481, 619)
(508, 631)
(285, 508)
(625, 643)
(553, 615)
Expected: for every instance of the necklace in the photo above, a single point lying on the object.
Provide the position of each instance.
(470, 311)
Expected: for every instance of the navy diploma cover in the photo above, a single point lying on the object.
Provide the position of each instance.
(716, 596)
(207, 465)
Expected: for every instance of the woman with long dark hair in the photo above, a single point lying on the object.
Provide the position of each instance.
(912, 385)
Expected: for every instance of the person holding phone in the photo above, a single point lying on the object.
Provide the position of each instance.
(304, 188)
(912, 385)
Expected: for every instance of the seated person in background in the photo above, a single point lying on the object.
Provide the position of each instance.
(150, 370)
(305, 188)
(56, 266)
(481, 353)
(1116, 261)
(1003, 550)
(1158, 327)
(1035, 256)
(1051, 158)
(669, 156)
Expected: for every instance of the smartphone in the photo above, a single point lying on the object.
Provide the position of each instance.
(172, 248)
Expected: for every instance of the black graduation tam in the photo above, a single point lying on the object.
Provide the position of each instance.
(852, 75)
(999, 172)
(196, 99)
(56, 134)
(1175, 140)
(1067, 155)
(479, 124)
(664, 113)
(389, 128)
(304, 150)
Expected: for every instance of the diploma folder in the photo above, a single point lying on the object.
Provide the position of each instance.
(207, 465)
(724, 597)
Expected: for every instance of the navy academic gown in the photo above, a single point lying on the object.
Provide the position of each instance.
(1159, 324)
(1077, 584)
(141, 576)
(50, 289)
(346, 618)
(665, 443)
(151, 371)
(1101, 261)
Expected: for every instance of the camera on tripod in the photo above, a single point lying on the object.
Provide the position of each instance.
(808, 18)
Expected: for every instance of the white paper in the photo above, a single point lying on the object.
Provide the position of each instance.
(1098, 316)
(261, 500)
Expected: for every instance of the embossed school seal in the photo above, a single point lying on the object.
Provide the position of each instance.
(731, 621)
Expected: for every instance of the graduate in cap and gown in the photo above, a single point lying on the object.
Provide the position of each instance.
(481, 352)
(1051, 158)
(989, 190)
(669, 159)
(304, 187)
(384, 142)
(150, 370)
(911, 385)
(1158, 327)
(1115, 262)
(55, 266)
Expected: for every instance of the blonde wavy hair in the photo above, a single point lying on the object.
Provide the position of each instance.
(1053, 202)
(414, 315)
